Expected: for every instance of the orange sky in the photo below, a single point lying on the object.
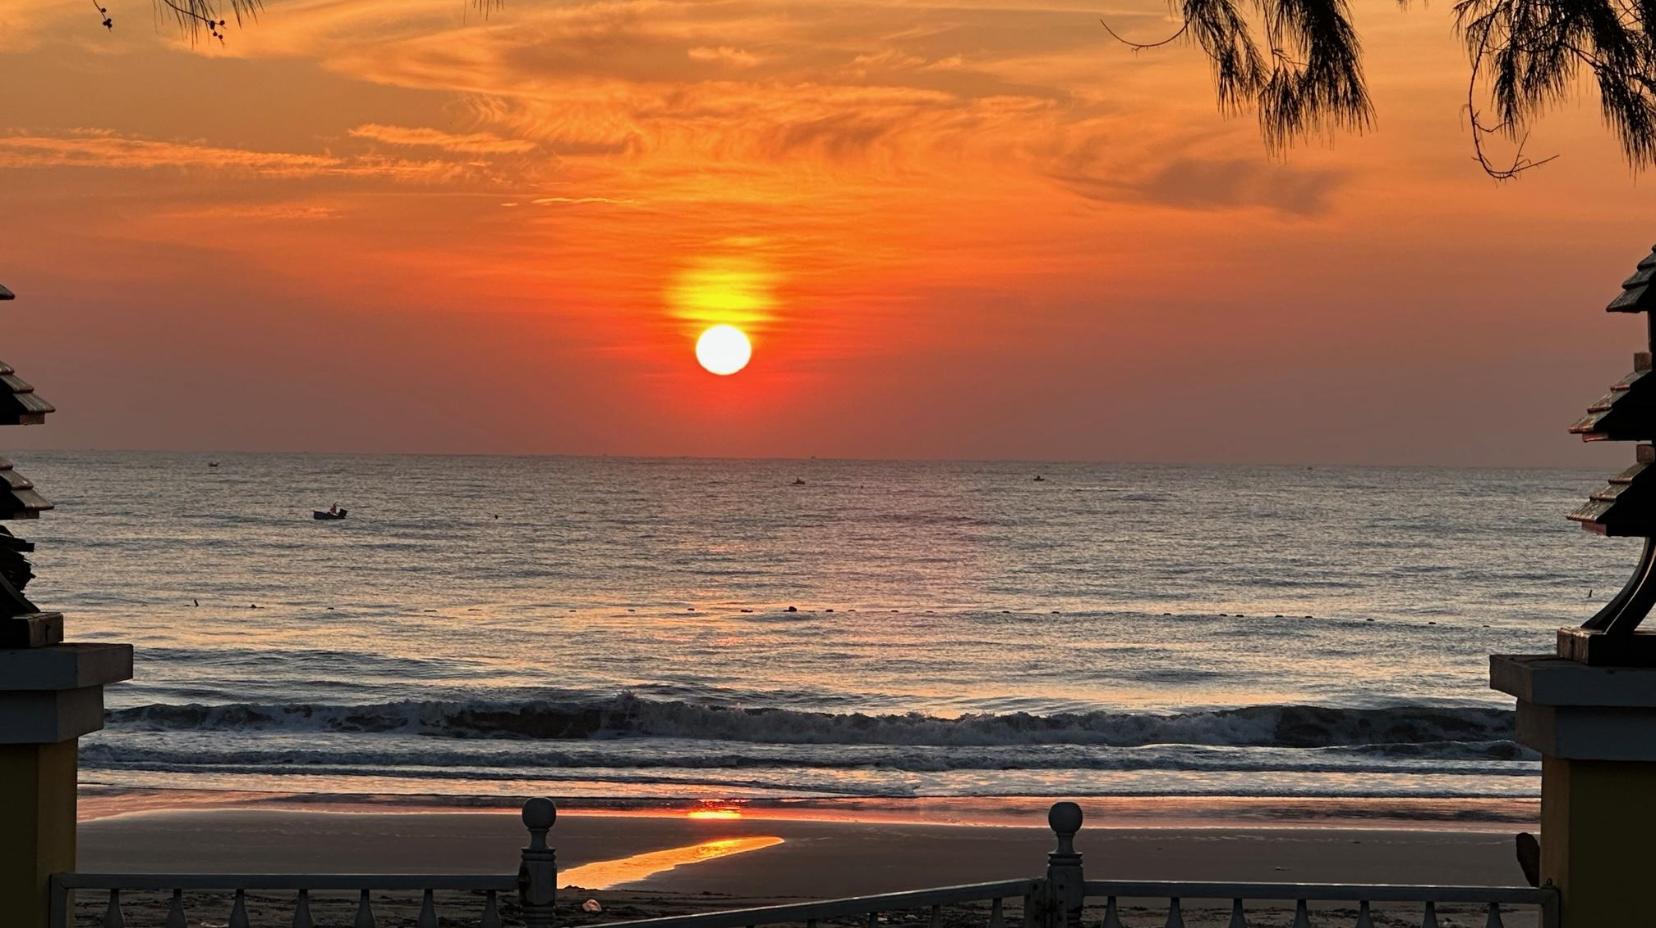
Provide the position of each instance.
(969, 230)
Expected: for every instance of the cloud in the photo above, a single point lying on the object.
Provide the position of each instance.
(1229, 183)
(1096, 162)
(259, 212)
(580, 201)
(103, 150)
(724, 54)
(473, 143)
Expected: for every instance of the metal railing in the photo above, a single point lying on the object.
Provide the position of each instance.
(239, 885)
(534, 886)
(1491, 902)
(1059, 899)
(862, 908)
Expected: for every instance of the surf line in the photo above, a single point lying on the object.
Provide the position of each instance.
(608, 874)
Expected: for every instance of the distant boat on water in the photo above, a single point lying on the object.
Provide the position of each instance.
(799, 481)
(212, 463)
(330, 514)
(1040, 479)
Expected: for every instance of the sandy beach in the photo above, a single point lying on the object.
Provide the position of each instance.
(627, 861)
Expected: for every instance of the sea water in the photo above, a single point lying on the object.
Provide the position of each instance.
(644, 629)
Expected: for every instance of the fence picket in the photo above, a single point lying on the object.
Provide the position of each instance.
(301, 911)
(1302, 915)
(364, 913)
(112, 914)
(175, 911)
(1175, 914)
(1112, 918)
(428, 911)
(1494, 916)
(997, 915)
(1239, 919)
(491, 911)
(1363, 919)
(1430, 921)
(238, 911)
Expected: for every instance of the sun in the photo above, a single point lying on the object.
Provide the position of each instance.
(723, 350)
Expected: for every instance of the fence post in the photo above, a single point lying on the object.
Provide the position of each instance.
(538, 876)
(1066, 885)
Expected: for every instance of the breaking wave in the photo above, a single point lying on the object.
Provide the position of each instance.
(1400, 730)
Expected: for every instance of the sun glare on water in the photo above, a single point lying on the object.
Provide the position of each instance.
(723, 350)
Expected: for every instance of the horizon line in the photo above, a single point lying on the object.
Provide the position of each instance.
(1057, 461)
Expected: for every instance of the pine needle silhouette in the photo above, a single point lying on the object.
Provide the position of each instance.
(1299, 65)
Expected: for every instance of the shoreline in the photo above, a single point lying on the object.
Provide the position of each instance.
(1458, 815)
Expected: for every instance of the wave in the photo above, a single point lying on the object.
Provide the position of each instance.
(311, 750)
(628, 716)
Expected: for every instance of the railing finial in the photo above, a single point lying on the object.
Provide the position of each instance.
(539, 814)
(1065, 819)
(538, 875)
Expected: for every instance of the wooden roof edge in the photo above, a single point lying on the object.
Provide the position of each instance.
(1636, 297)
(24, 498)
(1640, 299)
(6, 294)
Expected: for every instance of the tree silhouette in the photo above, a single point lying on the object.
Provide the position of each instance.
(196, 17)
(211, 17)
(1299, 65)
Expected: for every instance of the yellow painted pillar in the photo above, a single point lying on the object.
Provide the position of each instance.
(1596, 730)
(37, 807)
(49, 697)
(1596, 821)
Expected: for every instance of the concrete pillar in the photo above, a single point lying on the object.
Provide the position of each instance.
(49, 697)
(1596, 730)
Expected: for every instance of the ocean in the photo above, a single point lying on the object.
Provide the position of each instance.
(616, 629)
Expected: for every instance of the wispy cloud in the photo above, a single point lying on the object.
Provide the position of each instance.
(725, 55)
(471, 143)
(580, 201)
(1219, 184)
(95, 149)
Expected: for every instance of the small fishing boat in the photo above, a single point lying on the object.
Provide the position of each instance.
(798, 482)
(329, 514)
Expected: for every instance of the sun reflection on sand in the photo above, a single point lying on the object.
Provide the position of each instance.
(604, 874)
(716, 814)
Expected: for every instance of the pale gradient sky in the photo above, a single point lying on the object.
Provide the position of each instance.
(970, 230)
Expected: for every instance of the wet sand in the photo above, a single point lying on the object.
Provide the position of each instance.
(812, 859)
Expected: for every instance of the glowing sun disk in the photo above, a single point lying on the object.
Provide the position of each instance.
(723, 350)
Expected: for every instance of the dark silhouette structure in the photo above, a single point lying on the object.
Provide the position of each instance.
(1627, 507)
(21, 624)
